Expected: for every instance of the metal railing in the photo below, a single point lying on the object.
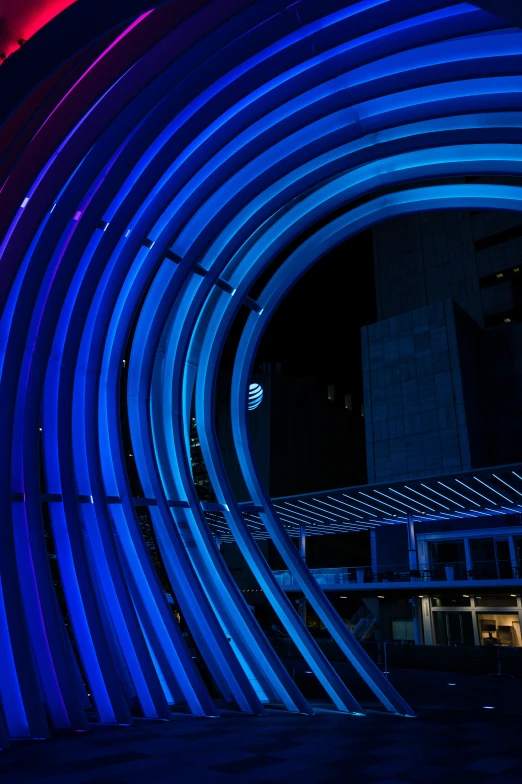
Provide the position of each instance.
(401, 573)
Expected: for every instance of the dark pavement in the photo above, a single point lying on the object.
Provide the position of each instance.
(468, 732)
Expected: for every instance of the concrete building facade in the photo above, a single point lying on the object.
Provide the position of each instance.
(449, 314)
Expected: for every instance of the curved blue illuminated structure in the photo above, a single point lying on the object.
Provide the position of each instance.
(142, 201)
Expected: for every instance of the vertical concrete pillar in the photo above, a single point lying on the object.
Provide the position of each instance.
(427, 625)
(423, 554)
(476, 635)
(469, 559)
(373, 550)
(412, 545)
(513, 556)
(417, 619)
(414, 566)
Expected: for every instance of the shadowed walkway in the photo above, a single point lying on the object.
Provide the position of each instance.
(441, 745)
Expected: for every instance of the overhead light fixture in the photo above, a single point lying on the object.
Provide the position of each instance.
(380, 597)
(507, 320)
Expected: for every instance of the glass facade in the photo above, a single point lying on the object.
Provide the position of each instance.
(477, 620)
(453, 628)
(472, 556)
(499, 629)
(448, 560)
(455, 601)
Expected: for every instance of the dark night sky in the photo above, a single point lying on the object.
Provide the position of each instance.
(317, 327)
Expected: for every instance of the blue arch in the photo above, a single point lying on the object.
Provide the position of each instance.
(186, 159)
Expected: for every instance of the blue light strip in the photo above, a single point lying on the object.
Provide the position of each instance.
(452, 490)
(492, 489)
(364, 502)
(507, 485)
(334, 506)
(425, 496)
(371, 514)
(390, 506)
(405, 496)
(432, 490)
(309, 516)
(472, 490)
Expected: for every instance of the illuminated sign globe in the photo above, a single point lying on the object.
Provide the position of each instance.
(255, 396)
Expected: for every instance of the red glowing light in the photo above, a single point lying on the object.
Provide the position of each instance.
(23, 18)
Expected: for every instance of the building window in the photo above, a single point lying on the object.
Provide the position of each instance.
(448, 560)
(499, 629)
(453, 628)
(491, 559)
(495, 601)
(451, 602)
(348, 402)
(331, 392)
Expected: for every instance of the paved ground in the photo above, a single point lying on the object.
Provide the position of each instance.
(458, 743)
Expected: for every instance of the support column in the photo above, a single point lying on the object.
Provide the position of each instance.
(373, 549)
(423, 554)
(469, 559)
(476, 635)
(412, 545)
(302, 552)
(513, 556)
(427, 624)
(414, 566)
(417, 620)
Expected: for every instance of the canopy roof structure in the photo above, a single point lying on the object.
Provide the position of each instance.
(485, 492)
(156, 160)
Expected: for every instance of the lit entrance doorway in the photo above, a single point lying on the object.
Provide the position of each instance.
(474, 620)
